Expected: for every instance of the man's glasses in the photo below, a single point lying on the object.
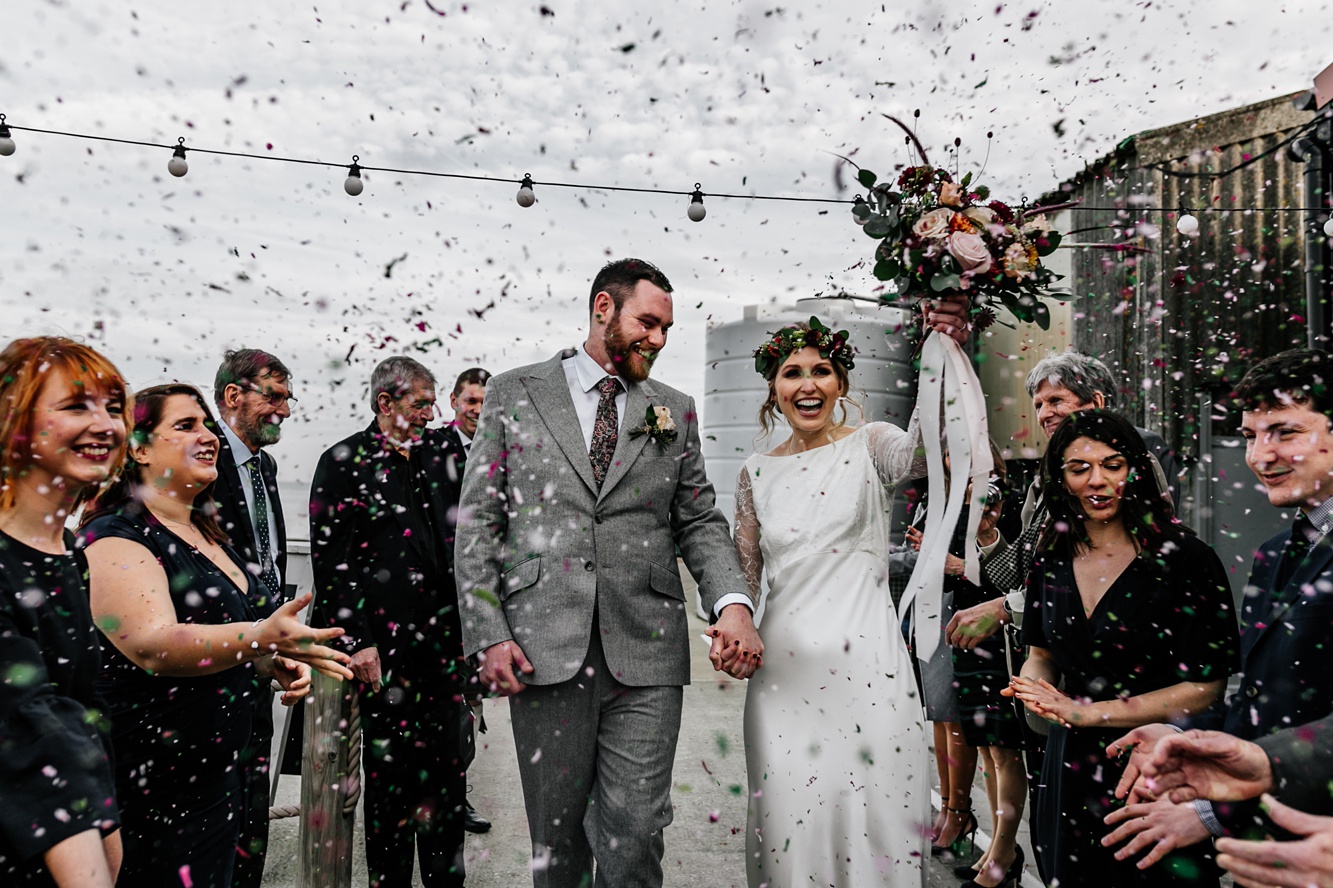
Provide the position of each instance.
(275, 399)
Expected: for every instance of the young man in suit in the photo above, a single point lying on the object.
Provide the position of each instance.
(1286, 615)
(382, 553)
(572, 600)
(252, 393)
(466, 400)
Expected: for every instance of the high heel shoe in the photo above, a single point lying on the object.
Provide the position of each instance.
(1012, 876)
(966, 871)
(967, 832)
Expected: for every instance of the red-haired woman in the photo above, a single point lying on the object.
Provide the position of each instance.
(173, 601)
(62, 434)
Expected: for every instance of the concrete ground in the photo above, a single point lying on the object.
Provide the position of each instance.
(705, 845)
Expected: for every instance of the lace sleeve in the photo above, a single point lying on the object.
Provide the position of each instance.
(899, 456)
(747, 535)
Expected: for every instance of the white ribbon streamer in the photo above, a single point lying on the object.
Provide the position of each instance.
(947, 378)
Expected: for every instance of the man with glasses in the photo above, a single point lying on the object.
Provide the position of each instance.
(252, 392)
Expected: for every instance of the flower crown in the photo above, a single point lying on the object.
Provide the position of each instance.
(832, 346)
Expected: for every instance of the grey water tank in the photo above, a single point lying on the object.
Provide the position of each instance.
(883, 380)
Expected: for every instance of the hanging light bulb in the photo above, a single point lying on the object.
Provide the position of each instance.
(1188, 223)
(697, 210)
(525, 196)
(1328, 226)
(6, 140)
(860, 210)
(354, 183)
(177, 165)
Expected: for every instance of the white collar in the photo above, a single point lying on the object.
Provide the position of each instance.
(589, 372)
(239, 451)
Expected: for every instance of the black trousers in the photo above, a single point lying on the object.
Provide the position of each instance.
(414, 780)
(252, 848)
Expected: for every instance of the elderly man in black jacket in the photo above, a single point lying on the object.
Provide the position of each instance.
(381, 544)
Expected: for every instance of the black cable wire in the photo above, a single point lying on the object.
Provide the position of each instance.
(434, 173)
(633, 190)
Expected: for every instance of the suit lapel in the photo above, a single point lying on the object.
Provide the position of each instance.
(628, 447)
(1315, 563)
(549, 391)
(243, 534)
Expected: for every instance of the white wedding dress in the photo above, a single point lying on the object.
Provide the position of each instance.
(835, 742)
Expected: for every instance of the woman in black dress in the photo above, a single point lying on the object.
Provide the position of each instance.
(62, 433)
(181, 641)
(988, 721)
(1137, 618)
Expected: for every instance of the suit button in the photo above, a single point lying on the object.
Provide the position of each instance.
(589, 566)
(597, 518)
(1251, 692)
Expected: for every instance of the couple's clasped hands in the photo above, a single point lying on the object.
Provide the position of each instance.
(736, 650)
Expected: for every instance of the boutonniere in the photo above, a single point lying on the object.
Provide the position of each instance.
(657, 425)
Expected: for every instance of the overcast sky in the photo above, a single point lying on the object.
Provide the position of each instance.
(743, 97)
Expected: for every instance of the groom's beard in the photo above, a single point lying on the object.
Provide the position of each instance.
(629, 363)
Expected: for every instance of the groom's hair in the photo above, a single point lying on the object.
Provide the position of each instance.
(619, 278)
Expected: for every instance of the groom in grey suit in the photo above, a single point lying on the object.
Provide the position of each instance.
(572, 511)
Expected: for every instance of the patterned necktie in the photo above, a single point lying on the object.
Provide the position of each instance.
(268, 571)
(605, 429)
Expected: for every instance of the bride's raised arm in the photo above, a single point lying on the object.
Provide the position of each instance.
(899, 456)
(747, 535)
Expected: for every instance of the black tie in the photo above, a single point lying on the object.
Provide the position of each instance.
(268, 572)
(1303, 535)
(605, 429)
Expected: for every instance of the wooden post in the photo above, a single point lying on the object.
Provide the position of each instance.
(326, 832)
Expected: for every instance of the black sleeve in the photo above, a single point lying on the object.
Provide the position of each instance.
(55, 773)
(333, 520)
(1034, 606)
(1302, 762)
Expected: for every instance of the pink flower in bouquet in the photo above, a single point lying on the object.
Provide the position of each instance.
(951, 194)
(933, 224)
(1037, 223)
(1020, 261)
(970, 251)
(983, 217)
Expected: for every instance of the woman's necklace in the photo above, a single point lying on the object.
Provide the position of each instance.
(192, 530)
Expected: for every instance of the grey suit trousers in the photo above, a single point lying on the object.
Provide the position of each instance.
(595, 758)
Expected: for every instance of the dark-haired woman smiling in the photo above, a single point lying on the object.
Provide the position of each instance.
(173, 602)
(62, 434)
(1136, 616)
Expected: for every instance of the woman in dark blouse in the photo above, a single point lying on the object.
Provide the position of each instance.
(1137, 618)
(181, 641)
(62, 433)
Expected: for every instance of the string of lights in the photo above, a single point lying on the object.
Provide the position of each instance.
(1187, 222)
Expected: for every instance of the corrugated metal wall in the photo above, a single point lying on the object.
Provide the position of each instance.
(1175, 315)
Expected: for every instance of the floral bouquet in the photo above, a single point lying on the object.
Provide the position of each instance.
(938, 235)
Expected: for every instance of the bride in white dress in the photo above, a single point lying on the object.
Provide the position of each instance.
(835, 743)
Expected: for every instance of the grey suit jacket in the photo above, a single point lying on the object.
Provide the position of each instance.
(540, 550)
